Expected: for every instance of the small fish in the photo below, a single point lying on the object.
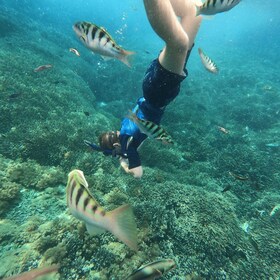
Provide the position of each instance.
(34, 273)
(15, 95)
(227, 188)
(274, 210)
(212, 7)
(42, 67)
(222, 129)
(273, 145)
(152, 270)
(238, 177)
(151, 129)
(75, 51)
(201, 107)
(207, 62)
(100, 41)
(246, 227)
(84, 207)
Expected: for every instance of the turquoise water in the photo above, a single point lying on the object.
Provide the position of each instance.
(206, 202)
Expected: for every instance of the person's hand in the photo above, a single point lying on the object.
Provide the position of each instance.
(124, 164)
(117, 151)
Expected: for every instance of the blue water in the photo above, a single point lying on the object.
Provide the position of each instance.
(205, 202)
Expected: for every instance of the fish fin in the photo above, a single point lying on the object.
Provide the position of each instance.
(207, 17)
(123, 226)
(125, 57)
(197, 12)
(83, 38)
(103, 29)
(94, 230)
(106, 58)
(157, 272)
(79, 177)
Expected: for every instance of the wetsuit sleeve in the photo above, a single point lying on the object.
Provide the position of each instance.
(130, 151)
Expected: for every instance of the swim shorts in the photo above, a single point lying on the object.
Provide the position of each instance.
(160, 86)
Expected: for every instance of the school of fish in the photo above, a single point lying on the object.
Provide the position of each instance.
(81, 203)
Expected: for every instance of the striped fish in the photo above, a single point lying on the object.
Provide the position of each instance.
(212, 7)
(207, 62)
(120, 222)
(152, 270)
(100, 41)
(151, 129)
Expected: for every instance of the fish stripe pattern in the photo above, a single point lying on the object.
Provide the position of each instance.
(98, 40)
(101, 35)
(72, 190)
(83, 206)
(94, 208)
(78, 196)
(207, 62)
(93, 32)
(214, 3)
(86, 201)
(155, 130)
(150, 129)
(212, 7)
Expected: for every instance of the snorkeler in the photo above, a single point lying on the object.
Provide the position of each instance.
(175, 22)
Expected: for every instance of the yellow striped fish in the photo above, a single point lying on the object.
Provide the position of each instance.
(120, 222)
(100, 41)
(152, 270)
(151, 129)
(212, 7)
(207, 62)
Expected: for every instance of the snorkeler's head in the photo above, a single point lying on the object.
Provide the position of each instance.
(108, 140)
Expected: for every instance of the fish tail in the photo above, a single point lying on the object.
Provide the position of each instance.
(123, 226)
(125, 57)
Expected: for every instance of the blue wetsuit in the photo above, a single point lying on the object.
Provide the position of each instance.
(160, 87)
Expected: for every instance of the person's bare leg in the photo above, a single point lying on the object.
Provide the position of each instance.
(186, 10)
(166, 24)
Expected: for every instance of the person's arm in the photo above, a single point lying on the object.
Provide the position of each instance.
(132, 163)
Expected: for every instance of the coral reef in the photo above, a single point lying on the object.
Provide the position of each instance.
(180, 209)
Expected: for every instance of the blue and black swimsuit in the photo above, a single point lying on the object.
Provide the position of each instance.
(160, 87)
